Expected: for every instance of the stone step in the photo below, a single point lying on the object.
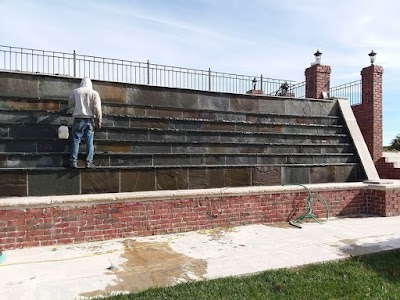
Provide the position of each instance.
(62, 181)
(11, 118)
(33, 145)
(392, 157)
(182, 135)
(54, 159)
(53, 109)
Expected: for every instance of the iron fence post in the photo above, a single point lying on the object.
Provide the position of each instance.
(148, 72)
(74, 58)
(261, 83)
(209, 79)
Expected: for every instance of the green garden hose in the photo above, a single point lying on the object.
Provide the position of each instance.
(308, 208)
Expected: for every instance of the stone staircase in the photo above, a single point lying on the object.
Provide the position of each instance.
(157, 138)
(392, 157)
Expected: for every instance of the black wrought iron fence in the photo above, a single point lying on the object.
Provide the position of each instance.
(351, 91)
(110, 69)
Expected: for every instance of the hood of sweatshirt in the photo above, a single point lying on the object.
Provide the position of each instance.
(86, 82)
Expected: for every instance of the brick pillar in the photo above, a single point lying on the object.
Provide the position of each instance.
(369, 113)
(317, 80)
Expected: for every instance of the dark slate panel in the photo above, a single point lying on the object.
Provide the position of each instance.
(151, 148)
(18, 85)
(266, 176)
(163, 113)
(172, 179)
(13, 184)
(214, 160)
(131, 160)
(298, 107)
(272, 106)
(181, 160)
(115, 121)
(296, 175)
(167, 136)
(123, 110)
(55, 145)
(111, 92)
(238, 176)
(162, 97)
(116, 147)
(4, 131)
(214, 102)
(322, 174)
(57, 88)
(205, 115)
(35, 105)
(139, 180)
(346, 173)
(33, 132)
(17, 146)
(148, 123)
(201, 137)
(206, 178)
(241, 160)
(244, 104)
(5, 103)
(33, 161)
(53, 183)
(98, 181)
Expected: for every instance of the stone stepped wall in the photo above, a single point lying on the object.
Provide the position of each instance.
(161, 138)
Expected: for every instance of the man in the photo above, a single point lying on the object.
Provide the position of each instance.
(87, 109)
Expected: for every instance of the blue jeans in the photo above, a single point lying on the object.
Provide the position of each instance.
(82, 128)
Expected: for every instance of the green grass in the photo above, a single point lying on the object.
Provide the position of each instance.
(374, 276)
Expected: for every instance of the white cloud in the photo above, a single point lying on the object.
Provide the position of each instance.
(269, 37)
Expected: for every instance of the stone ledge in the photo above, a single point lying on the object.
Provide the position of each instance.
(45, 201)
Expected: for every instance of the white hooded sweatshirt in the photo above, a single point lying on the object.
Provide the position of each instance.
(87, 101)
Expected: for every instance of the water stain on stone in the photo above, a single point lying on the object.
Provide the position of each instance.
(151, 265)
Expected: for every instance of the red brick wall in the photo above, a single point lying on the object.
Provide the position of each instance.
(31, 227)
(317, 81)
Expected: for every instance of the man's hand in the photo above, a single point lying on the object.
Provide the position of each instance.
(98, 124)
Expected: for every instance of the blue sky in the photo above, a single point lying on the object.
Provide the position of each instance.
(276, 38)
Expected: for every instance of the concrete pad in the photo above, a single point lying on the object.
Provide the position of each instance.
(82, 271)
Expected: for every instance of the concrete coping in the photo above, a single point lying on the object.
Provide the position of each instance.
(88, 199)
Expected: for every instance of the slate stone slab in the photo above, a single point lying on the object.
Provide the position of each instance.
(206, 178)
(57, 88)
(295, 175)
(172, 179)
(138, 180)
(347, 173)
(238, 176)
(111, 92)
(13, 184)
(244, 104)
(99, 181)
(266, 176)
(322, 174)
(53, 183)
(272, 106)
(16, 85)
(35, 105)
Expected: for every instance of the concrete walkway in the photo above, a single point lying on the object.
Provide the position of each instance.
(85, 270)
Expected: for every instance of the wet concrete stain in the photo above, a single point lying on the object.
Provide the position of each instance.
(151, 265)
(218, 233)
(351, 248)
